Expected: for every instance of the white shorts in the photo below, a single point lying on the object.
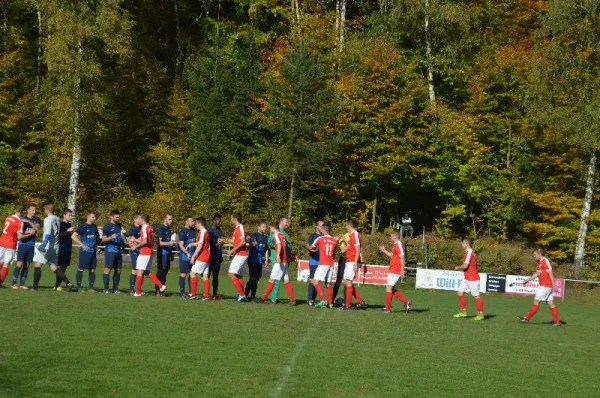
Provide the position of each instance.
(324, 273)
(280, 271)
(144, 262)
(469, 287)
(392, 279)
(544, 293)
(50, 257)
(237, 265)
(349, 273)
(200, 268)
(7, 255)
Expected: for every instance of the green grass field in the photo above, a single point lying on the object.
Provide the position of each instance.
(86, 344)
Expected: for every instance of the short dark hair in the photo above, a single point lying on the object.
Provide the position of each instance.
(326, 227)
(352, 223)
(469, 241)
(115, 212)
(145, 217)
(317, 219)
(168, 214)
(216, 217)
(187, 218)
(90, 212)
(67, 211)
(29, 206)
(258, 224)
(202, 221)
(136, 215)
(237, 216)
(18, 208)
(274, 224)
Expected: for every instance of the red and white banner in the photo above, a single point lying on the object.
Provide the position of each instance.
(368, 274)
(530, 287)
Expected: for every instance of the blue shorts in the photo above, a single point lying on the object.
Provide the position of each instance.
(134, 257)
(184, 266)
(113, 260)
(25, 253)
(312, 268)
(64, 257)
(87, 260)
(255, 270)
(215, 266)
(163, 262)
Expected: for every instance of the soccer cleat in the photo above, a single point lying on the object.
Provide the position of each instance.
(522, 319)
(216, 297)
(137, 295)
(107, 292)
(292, 302)
(157, 294)
(311, 303)
(460, 315)
(69, 287)
(163, 288)
(407, 306)
(195, 297)
(329, 306)
(116, 292)
(241, 299)
(59, 289)
(556, 324)
(321, 304)
(205, 298)
(361, 306)
(479, 317)
(183, 295)
(33, 290)
(91, 290)
(80, 290)
(276, 301)
(23, 287)
(387, 311)
(14, 287)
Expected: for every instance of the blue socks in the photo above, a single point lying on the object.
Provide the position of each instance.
(311, 291)
(15, 277)
(131, 282)
(116, 280)
(92, 279)
(78, 278)
(24, 275)
(105, 281)
(181, 284)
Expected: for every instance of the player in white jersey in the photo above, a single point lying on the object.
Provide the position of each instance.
(47, 252)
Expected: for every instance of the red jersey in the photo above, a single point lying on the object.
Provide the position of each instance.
(544, 267)
(203, 242)
(353, 244)
(327, 246)
(239, 235)
(396, 259)
(471, 273)
(146, 232)
(12, 226)
(279, 239)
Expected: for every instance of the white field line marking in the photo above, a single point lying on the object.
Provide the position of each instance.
(287, 371)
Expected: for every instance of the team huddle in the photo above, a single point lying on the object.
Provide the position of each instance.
(201, 254)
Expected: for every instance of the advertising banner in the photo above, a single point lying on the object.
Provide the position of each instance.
(529, 289)
(367, 274)
(496, 283)
(444, 279)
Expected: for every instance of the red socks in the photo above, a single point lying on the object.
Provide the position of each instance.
(138, 284)
(154, 279)
(241, 281)
(554, 312)
(400, 296)
(330, 294)
(290, 290)
(462, 303)
(194, 286)
(534, 308)
(479, 305)
(206, 288)
(320, 292)
(359, 299)
(388, 300)
(349, 296)
(236, 285)
(268, 291)
(3, 273)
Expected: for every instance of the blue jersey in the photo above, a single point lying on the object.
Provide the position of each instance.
(65, 243)
(29, 241)
(313, 258)
(88, 233)
(164, 233)
(114, 245)
(187, 236)
(216, 251)
(134, 232)
(258, 248)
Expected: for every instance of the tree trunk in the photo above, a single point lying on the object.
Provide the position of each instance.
(428, 50)
(340, 23)
(76, 159)
(291, 201)
(585, 213)
(38, 82)
(296, 11)
(4, 27)
(178, 57)
(374, 217)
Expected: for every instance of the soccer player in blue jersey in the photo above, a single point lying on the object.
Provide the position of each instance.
(133, 236)
(256, 259)
(112, 237)
(65, 245)
(187, 238)
(216, 253)
(313, 261)
(164, 251)
(87, 237)
(26, 248)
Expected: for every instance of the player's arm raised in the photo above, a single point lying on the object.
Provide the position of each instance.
(75, 238)
(384, 251)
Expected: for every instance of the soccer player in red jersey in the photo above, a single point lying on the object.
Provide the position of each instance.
(11, 233)
(280, 268)
(352, 251)
(144, 260)
(545, 290)
(240, 256)
(327, 245)
(201, 261)
(470, 282)
(397, 261)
